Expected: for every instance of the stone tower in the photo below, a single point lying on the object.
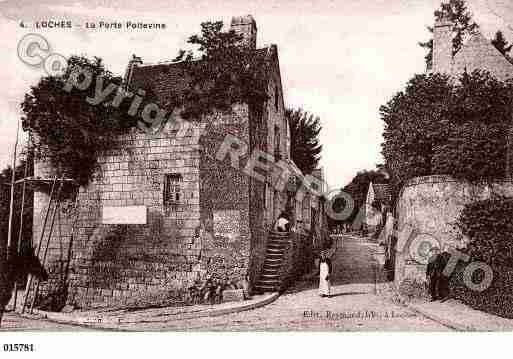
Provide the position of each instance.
(246, 26)
(442, 46)
(134, 61)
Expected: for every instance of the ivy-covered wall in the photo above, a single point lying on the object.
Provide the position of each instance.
(208, 233)
(224, 198)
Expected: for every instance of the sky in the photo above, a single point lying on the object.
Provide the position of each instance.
(340, 60)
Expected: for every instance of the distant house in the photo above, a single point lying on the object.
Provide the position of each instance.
(377, 203)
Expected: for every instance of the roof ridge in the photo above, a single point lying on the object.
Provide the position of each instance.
(198, 58)
(479, 34)
(167, 62)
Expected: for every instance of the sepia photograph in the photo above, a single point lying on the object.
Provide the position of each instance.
(287, 167)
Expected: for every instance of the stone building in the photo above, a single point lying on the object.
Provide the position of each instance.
(428, 207)
(477, 53)
(175, 206)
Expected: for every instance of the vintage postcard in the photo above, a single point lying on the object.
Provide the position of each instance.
(291, 166)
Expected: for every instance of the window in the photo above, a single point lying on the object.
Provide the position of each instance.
(277, 140)
(172, 189)
(276, 97)
(265, 195)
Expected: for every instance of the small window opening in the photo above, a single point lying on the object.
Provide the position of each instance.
(173, 189)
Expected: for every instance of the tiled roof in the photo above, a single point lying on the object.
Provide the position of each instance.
(478, 52)
(163, 79)
(166, 79)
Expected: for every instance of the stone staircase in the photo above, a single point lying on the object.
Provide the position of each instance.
(269, 280)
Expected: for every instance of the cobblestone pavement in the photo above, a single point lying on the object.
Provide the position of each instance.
(353, 306)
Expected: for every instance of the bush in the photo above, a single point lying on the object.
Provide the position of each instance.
(497, 299)
(473, 152)
(488, 227)
(67, 130)
(437, 126)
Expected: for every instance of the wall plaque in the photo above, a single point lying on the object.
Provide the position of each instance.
(124, 215)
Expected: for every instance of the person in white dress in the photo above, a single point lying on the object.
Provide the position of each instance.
(324, 275)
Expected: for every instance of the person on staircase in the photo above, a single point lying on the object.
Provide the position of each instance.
(282, 223)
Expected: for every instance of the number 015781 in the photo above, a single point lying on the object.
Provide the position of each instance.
(18, 347)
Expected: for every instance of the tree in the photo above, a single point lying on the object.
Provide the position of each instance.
(501, 43)
(441, 127)
(225, 71)
(412, 120)
(457, 12)
(305, 148)
(359, 186)
(69, 131)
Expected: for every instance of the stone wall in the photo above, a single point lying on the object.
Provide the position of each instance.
(225, 211)
(427, 209)
(297, 260)
(275, 127)
(121, 264)
(260, 209)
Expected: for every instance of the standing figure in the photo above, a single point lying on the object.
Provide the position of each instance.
(443, 279)
(282, 223)
(324, 275)
(432, 272)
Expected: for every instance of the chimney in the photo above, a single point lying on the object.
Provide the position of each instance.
(245, 26)
(134, 61)
(442, 46)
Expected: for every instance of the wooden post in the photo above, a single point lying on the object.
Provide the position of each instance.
(20, 233)
(29, 280)
(56, 207)
(11, 205)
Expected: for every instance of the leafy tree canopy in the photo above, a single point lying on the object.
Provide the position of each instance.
(305, 147)
(440, 126)
(501, 43)
(222, 71)
(68, 130)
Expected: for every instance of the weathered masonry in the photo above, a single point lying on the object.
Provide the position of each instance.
(429, 206)
(164, 211)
